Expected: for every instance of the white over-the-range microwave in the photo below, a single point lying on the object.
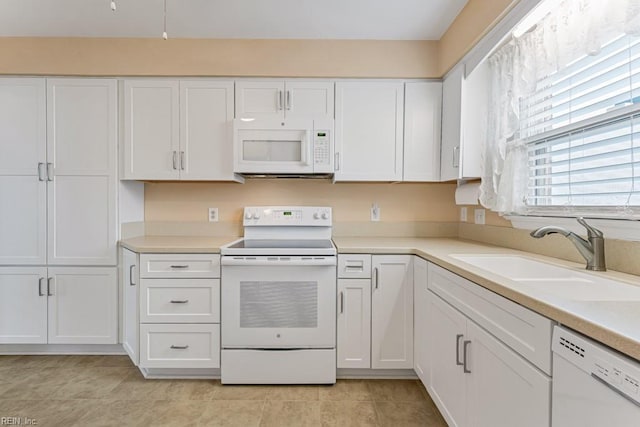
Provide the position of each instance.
(283, 147)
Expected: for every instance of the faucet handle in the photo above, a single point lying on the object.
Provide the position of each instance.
(591, 231)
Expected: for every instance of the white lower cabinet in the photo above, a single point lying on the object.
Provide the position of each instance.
(177, 311)
(475, 378)
(375, 311)
(354, 323)
(130, 291)
(421, 362)
(58, 305)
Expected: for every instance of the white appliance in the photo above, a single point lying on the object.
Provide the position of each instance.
(593, 386)
(279, 298)
(284, 147)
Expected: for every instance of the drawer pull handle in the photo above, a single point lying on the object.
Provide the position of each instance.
(179, 301)
(465, 345)
(179, 266)
(179, 347)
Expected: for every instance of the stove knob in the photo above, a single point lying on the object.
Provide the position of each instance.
(316, 215)
(325, 215)
(256, 215)
(248, 215)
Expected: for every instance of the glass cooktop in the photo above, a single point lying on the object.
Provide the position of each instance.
(282, 244)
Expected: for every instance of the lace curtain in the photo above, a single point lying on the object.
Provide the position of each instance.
(572, 29)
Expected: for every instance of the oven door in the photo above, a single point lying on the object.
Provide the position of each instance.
(278, 302)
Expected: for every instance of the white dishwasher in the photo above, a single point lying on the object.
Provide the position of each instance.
(593, 386)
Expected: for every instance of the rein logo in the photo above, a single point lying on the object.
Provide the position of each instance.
(17, 421)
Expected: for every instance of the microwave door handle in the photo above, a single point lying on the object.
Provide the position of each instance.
(305, 148)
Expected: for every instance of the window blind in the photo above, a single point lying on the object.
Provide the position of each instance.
(582, 131)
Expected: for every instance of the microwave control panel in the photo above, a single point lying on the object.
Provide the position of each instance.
(322, 149)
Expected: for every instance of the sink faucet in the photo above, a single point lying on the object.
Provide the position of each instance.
(592, 249)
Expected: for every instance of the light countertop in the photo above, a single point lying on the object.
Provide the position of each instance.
(614, 323)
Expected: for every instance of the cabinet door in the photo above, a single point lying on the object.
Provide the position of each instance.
(421, 310)
(23, 305)
(354, 323)
(503, 388)
(369, 131)
(260, 99)
(308, 100)
(83, 305)
(451, 124)
(206, 142)
(130, 286)
(392, 312)
(82, 146)
(23, 157)
(422, 107)
(446, 330)
(151, 130)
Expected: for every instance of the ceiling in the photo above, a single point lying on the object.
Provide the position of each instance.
(243, 19)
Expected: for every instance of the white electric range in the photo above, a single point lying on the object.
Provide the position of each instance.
(279, 298)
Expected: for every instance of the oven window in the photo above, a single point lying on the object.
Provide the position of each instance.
(279, 304)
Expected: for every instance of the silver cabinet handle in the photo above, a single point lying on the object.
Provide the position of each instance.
(279, 100)
(131, 275)
(179, 347)
(49, 171)
(336, 161)
(288, 100)
(182, 160)
(341, 302)
(375, 277)
(179, 266)
(456, 156)
(175, 160)
(40, 282)
(458, 362)
(465, 346)
(40, 174)
(179, 301)
(49, 292)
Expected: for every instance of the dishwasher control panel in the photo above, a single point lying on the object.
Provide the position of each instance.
(616, 371)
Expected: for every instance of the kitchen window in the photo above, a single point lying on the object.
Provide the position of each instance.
(564, 127)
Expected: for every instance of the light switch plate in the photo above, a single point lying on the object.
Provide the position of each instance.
(213, 214)
(478, 215)
(463, 214)
(375, 212)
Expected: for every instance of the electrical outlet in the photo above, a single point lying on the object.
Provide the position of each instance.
(213, 214)
(375, 212)
(479, 216)
(463, 214)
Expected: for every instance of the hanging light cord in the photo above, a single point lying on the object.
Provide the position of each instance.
(164, 33)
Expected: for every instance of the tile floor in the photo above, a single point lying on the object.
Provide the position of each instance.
(110, 391)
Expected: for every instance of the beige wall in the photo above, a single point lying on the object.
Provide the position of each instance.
(209, 57)
(473, 22)
(351, 202)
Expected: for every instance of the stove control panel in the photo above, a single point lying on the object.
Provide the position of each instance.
(302, 216)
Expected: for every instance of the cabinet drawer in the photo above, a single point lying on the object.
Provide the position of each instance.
(179, 346)
(525, 331)
(180, 301)
(354, 266)
(179, 265)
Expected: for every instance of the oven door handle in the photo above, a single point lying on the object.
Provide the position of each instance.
(279, 262)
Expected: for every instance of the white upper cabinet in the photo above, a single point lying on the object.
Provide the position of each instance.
(464, 112)
(178, 130)
(422, 108)
(23, 163)
(392, 312)
(81, 146)
(206, 117)
(278, 99)
(369, 131)
(151, 129)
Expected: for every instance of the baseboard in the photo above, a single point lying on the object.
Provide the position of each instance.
(173, 373)
(60, 349)
(399, 374)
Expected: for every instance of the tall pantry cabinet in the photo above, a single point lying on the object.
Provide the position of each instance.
(58, 142)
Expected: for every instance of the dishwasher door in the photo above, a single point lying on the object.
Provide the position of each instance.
(592, 385)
